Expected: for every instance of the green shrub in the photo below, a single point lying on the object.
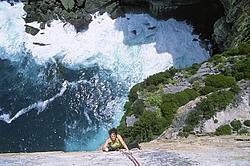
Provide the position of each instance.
(171, 102)
(223, 130)
(216, 102)
(207, 89)
(148, 126)
(192, 120)
(192, 94)
(220, 66)
(187, 128)
(138, 107)
(241, 69)
(181, 98)
(243, 131)
(153, 99)
(235, 88)
(158, 78)
(196, 85)
(219, 81)
(208, 107)
(133, 92)
(127, 107)
(194, 68)
(247, 123)
(183, 134)
(151, 88)
(216, 59)
(242, 49)
(236, 125)
(168, 110)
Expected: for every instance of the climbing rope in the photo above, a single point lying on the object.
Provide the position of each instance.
(130, 157)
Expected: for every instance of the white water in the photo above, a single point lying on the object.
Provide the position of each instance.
(132, 48)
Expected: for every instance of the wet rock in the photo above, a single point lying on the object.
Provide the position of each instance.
(76, 12)
(40, 44)
(31, 30)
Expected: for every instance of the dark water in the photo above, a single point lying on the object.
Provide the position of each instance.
(79, 111)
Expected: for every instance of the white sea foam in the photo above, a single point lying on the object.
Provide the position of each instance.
(133, 47)
(40, 106)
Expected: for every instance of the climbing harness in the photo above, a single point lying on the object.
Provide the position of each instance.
(130, 157)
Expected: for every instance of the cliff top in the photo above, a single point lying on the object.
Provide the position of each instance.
(222, 150)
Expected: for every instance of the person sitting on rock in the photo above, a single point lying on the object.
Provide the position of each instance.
(116, 142)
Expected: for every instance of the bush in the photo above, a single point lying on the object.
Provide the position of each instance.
(208, 107)
(168, 110)
(223, 130)
(215, 102)
(235, 88)
(127, 107)
(196, 85)
(236, 125)
(133, 93)
(243, 131)
(219, 81)
(148, 126)
(207, 89)
(171, 102)
(242, 49)
(158, 78)
(187, 128)
(138, 107)
(247, 123)
(241, 69)
(192, 120)
(193, 69)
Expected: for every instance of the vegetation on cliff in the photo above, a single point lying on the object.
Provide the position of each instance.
(155, 108)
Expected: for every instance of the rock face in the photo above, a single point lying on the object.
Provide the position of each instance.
(76, 12)
(204, 151)
(229, 30)
(179, 120)
(234, 27)
(239, 110)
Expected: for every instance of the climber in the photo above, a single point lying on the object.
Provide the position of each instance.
(116, 142)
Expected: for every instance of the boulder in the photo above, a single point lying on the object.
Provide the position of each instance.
(31, 30)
